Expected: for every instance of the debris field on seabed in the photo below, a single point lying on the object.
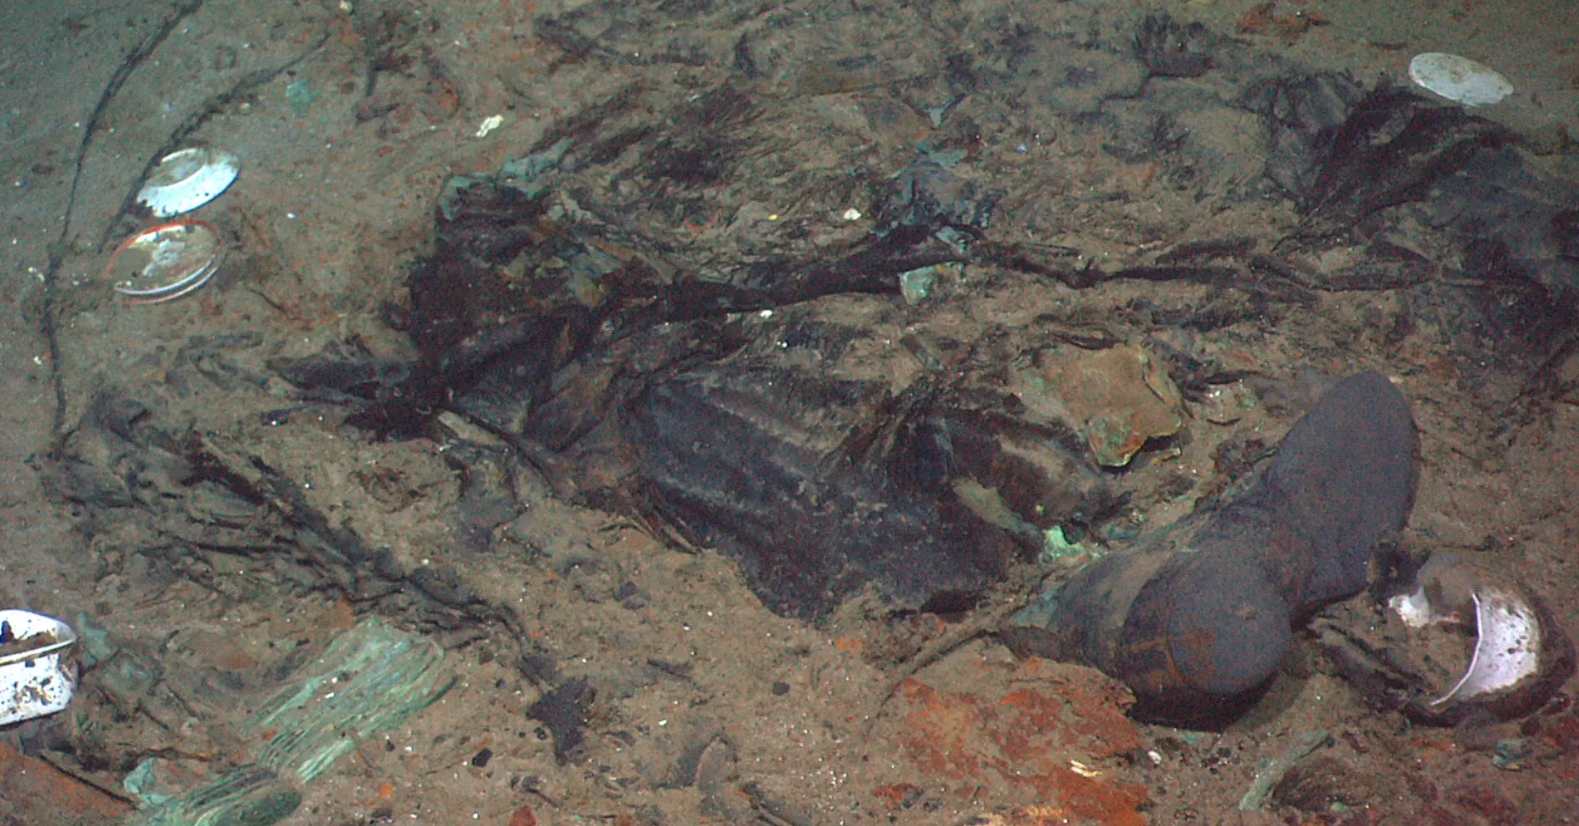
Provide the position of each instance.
(809, 418)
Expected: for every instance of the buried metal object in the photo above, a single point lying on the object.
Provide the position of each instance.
(1197, 618)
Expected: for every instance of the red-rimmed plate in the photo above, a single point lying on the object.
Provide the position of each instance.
(166, 261)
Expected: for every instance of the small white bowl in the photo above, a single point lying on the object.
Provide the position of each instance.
(166, 261)
(39, 679)
(187, 179)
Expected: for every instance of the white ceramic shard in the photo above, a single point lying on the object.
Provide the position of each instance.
(1459, 79)
(188, 179)
(1511, 654)
(1442, 591)
(1508, 644)
(1414, 608)
(36, 678)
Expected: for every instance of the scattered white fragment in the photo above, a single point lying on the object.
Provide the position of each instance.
(489, 124)
(1083, 770)
(1459, 79)
(1414, 608)
(851, 214)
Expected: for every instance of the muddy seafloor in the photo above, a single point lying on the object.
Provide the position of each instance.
(1097, 155)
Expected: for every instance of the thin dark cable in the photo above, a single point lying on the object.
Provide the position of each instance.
(57, 252)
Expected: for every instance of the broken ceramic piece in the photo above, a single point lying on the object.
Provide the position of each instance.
(1459, 79)
(1451, 640)
(1508, 636)
(36, 676)
(1507, 646)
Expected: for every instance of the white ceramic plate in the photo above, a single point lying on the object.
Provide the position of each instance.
(166, 261)
(188, 179)
(1459, 79)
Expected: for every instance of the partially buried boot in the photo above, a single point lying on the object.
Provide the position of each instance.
(1196, 619)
